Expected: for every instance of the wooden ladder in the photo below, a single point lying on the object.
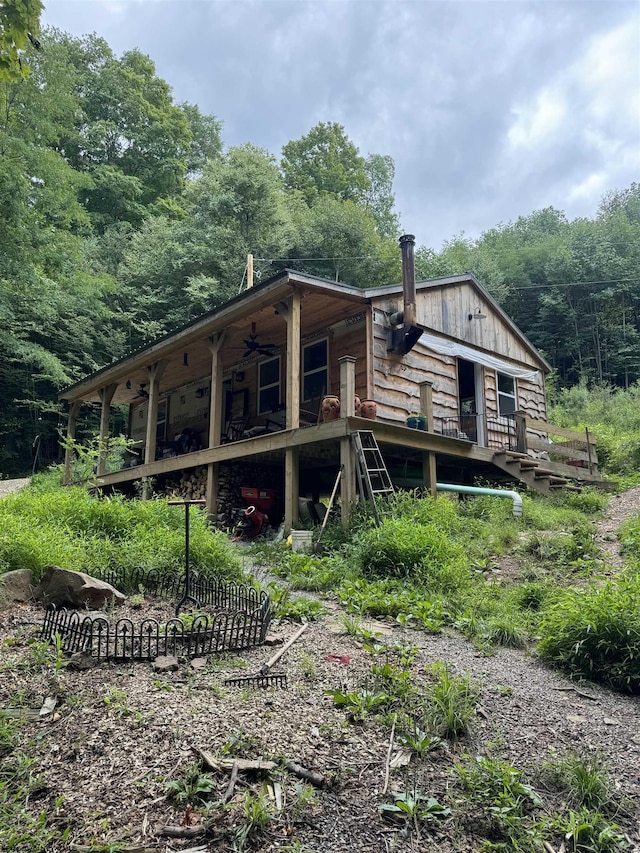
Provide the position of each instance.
(372, 473)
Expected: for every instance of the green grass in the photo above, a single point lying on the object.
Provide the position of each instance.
(45, 526)
(594, 632)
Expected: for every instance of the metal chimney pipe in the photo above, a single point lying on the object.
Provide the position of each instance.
(407, 246)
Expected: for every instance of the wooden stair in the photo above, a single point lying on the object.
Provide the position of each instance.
(532, 472)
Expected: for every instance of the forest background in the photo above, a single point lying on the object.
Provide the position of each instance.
(124, 216)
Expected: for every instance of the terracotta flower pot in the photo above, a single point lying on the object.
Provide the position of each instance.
(369, 410)
(330, 408)
(357, 407)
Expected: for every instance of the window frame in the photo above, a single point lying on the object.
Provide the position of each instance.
(268, 386)
(504, 395)
(306, 373)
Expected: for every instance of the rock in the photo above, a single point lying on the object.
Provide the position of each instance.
(62, 586)
(165, 663)
(199, 663)
(273, 640)
(17, 585)
(80, 662)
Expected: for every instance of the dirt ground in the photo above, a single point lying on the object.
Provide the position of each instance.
(120, 731)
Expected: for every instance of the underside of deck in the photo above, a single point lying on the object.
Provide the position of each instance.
(319, 450)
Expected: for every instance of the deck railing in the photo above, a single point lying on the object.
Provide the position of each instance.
(564, 446)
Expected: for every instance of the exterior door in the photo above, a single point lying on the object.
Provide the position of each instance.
(471, 401)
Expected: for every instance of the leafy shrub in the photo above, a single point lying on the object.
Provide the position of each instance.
(400, 548)
(595, 632)
(499, 804)
(70, 528)
(452, 702)
(303, 571)
(583, 780)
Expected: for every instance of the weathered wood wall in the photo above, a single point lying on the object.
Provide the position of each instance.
(447, 310)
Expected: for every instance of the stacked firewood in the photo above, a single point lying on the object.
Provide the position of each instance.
(192, 485)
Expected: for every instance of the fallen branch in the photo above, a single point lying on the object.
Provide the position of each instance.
(579, 692)
(548, 847)
(105, 848)
(388, 761)
(214, 763)
(311, 776)
(232, 783)
(181, 831)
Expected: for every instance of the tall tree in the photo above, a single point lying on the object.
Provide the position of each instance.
(19, 25)
(325, 161)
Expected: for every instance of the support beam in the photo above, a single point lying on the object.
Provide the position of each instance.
(348, 480)
(106, 396)
(521, 431)
(215, 419)
(154, 373)
(347, 385)
(291, 488)
(293, 362)
(428, 458)
(74, 410)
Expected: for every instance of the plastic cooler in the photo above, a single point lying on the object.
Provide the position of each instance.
(261, 499)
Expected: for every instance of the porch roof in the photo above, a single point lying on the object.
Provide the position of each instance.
(257, 304)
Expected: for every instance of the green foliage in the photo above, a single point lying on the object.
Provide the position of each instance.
(590, 832)
(420, 742)
(69, 528)
(499, 804)
(594, 632)
(19, 19)
(359, 703)
(24, 825)
(452, 702)
(398, 548)
(583, 780)
(295, 609)
(191, 787)
(307, 572)
(415, 807)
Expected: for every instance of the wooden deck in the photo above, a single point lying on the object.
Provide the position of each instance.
(320, 441)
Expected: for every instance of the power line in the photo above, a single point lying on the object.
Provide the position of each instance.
(286, 260)
(573, 283)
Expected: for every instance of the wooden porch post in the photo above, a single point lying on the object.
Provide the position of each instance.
(428, 458)
(521, 431)
(291, 472)
(154, 373)
(74, 410)
(347, 405)
(215, 419)
(106, 396)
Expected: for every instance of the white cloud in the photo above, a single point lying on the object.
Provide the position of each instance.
(537, 123)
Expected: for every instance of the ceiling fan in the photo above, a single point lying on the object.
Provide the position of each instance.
(141, 391)
(254, 346)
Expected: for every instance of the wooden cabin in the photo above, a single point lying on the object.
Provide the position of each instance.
(242, 387)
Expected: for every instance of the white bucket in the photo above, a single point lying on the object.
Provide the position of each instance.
(301, 541)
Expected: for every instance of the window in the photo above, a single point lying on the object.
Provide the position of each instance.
(506, 394)
(315, 369)
(269, 385)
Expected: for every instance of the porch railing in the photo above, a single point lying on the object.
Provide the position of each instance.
(499, 430)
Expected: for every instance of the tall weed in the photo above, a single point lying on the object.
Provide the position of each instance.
(70, 528)
(595, 632)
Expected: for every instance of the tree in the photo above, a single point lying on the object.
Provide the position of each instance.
(325, 161)
(379, 197)
(19, 25)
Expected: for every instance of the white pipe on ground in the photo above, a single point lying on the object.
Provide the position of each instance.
(478, 490)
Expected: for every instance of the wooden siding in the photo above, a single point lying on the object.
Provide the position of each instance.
(397, 379)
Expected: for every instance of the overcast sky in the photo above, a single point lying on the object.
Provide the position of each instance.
(490, 110)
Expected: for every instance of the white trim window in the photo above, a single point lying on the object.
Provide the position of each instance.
(315, 369)
(506, 385)
(269, 386)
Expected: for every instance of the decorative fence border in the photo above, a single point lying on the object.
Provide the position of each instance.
(242, 624)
